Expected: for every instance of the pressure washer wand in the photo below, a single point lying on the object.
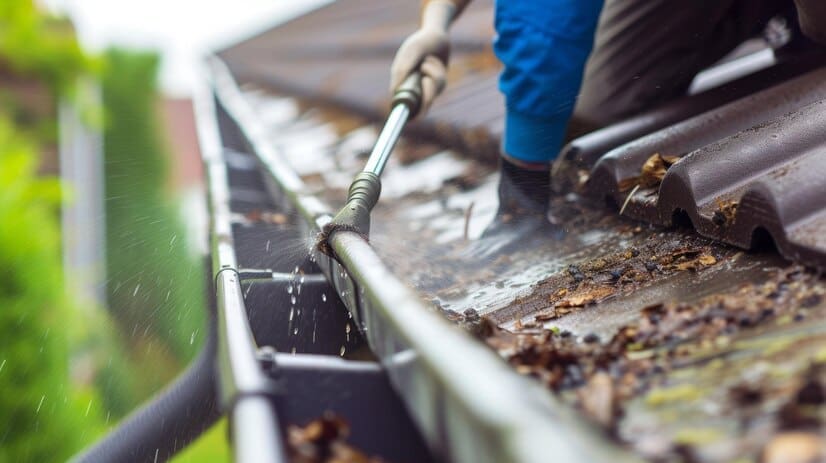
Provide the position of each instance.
(366, 187)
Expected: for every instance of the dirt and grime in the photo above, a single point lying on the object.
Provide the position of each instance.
(680, 348)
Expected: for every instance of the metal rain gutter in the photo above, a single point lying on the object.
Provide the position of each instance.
(467, 402)
(245, 390)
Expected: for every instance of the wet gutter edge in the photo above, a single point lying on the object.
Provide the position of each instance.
(468, 403)
(244, 389)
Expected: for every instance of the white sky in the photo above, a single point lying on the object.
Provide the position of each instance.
(182, 30)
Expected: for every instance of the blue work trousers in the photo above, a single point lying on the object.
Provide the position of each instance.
(543, 45)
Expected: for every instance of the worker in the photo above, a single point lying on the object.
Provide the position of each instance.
(645, 53)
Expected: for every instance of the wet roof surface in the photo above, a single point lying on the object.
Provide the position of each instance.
(342, 54)
(682, 347)
(753, 168)
(682, 327)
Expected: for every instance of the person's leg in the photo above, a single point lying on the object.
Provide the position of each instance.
(543, 46)
(648, 51)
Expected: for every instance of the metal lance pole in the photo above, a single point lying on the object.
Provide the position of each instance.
(366, 187)
(387, 139)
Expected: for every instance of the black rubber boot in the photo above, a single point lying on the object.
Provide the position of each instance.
(522, 217)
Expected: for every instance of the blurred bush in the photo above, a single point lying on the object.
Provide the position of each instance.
(156, 289)
(155, 286)
(47, 409)
(42, 46)
(42, 418)
(45, 417)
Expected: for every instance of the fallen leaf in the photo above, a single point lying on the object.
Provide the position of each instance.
(795, 447)
(547, 315)
(585, 296)
(260, 216)
(703, 260)
(651, 173)
(628, 183)
(707, 259)
(724, 214)
(598, 399)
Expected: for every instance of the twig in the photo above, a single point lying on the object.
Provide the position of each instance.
(467, 219)
(628, 198)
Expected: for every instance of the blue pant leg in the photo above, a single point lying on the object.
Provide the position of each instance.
(543, 45)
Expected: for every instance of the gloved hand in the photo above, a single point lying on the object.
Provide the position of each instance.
(426, 50)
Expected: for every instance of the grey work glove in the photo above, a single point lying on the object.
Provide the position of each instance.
(427, 51)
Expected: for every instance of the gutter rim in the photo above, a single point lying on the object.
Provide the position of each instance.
(510, 419)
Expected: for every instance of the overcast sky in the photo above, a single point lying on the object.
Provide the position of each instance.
(181, 29)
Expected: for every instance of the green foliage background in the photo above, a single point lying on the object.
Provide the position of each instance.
(154, 324)
(43, 416)
(155, 288)
(155, 291)
(41, 46)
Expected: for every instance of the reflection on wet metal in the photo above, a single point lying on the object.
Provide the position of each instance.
(387, 140)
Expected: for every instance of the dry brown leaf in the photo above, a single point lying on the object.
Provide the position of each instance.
(260, 216)
(795, 447)
(724, 214)
(547, 315)
(703, 260)
(585, 296)
(627, 183)
(654, 169)
(707, 259)
(598, 398)
(651, 173)
(561, 292)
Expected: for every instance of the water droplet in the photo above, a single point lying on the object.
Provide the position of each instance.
(43, 397)
(292, 300)
(290, 289)
(292, 312)
(295, 330)
(301, 280)
(88, 407)
(323, 299)
(192, 338)
(341, 351)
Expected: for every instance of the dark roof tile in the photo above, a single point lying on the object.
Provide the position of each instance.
(757, 163)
